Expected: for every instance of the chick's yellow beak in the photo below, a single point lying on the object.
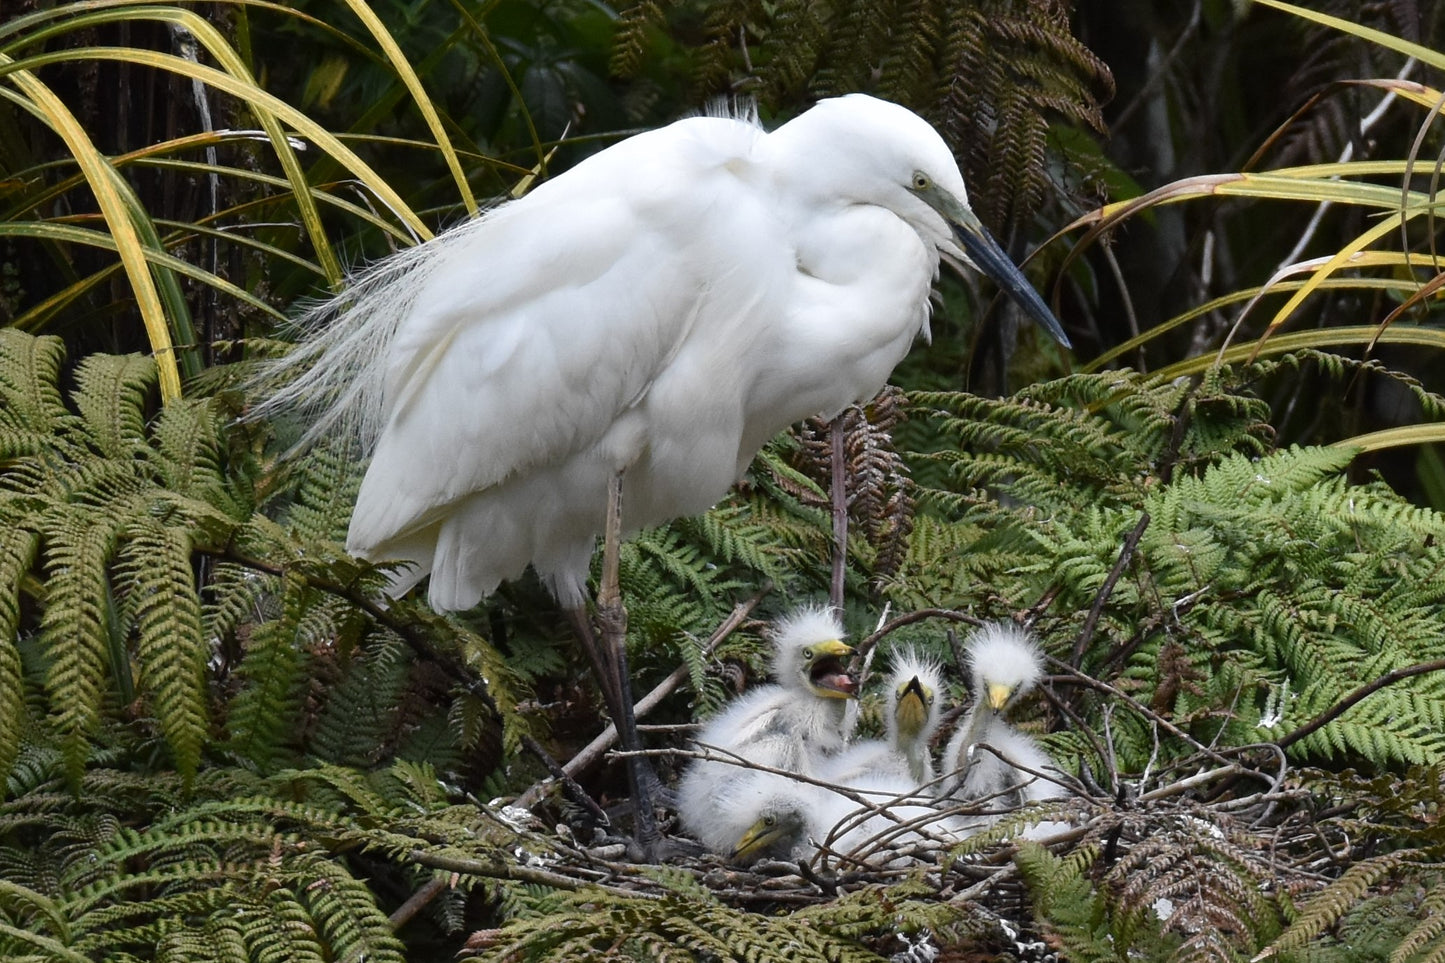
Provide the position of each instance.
(760, 837)
(828, 673)
(912, 709)
(998, 695)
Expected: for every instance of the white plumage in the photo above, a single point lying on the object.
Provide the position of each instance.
(795, 818)
(916, 685)
(663, 308)
(903, 760)
(792, 725)
(994, 763)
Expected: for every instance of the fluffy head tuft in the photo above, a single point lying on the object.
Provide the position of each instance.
(908, 663)
(797, 631)
(1002, 654)
(908, 723)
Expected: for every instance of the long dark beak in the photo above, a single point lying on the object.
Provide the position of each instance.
(989, 258)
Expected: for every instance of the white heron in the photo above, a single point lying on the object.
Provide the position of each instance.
(911, 717)
(993, 762)
(793, 725)
(662, 309)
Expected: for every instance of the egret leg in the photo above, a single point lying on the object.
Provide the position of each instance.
(609, 663)
(612, 619)
(840, 509)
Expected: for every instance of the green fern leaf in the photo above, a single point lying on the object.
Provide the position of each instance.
(111, 393)
(154, 575)
(32, 411)
(78, 630)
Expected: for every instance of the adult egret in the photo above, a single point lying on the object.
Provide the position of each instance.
(663, 308)
(993, 762)
(793, 725)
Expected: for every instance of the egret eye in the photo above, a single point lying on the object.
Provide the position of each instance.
(921, 181)
(808, 654)
(769, 820)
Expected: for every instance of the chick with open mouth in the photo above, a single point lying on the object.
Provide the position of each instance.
(794, 725)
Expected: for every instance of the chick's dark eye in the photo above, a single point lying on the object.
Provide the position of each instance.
(808, 654)
(769, 820)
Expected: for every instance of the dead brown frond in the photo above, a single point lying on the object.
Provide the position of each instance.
(879, 487)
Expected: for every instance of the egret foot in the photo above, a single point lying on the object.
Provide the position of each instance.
(609, 663)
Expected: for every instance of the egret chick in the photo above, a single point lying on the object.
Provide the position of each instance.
(915, 686)
(911, 718)
(887, 773)
(1005, 663)
(795, 820)
(788, 815)
(793, 725)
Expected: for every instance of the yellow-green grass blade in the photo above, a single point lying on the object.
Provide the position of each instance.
(1413, 91)
(418, 93)
(1288, 185)
(258, 99)
(1272, 186)
(1339, 260)
(1340, 169)
(146, 157)
(1431, 434)
(109, 190)
(176, 309)
(74, 234)
(1400, 285)
(232, 64)
(92, 15)
(1322, 338)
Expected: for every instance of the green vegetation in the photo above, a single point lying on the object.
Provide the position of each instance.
(220, 740)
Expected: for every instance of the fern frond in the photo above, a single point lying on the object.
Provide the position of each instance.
(110, 396)
(154, 577)
(262, 720)
(1066, 903)
(77, 626)
(18, 548)
(33, 411)
(1330, 904)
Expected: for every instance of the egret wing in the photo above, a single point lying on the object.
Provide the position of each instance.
(538, 327)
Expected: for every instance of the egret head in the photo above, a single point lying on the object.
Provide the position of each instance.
(811, 654)
(1005, 663)
(913, 689)
(877, 152)
(779, 828)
